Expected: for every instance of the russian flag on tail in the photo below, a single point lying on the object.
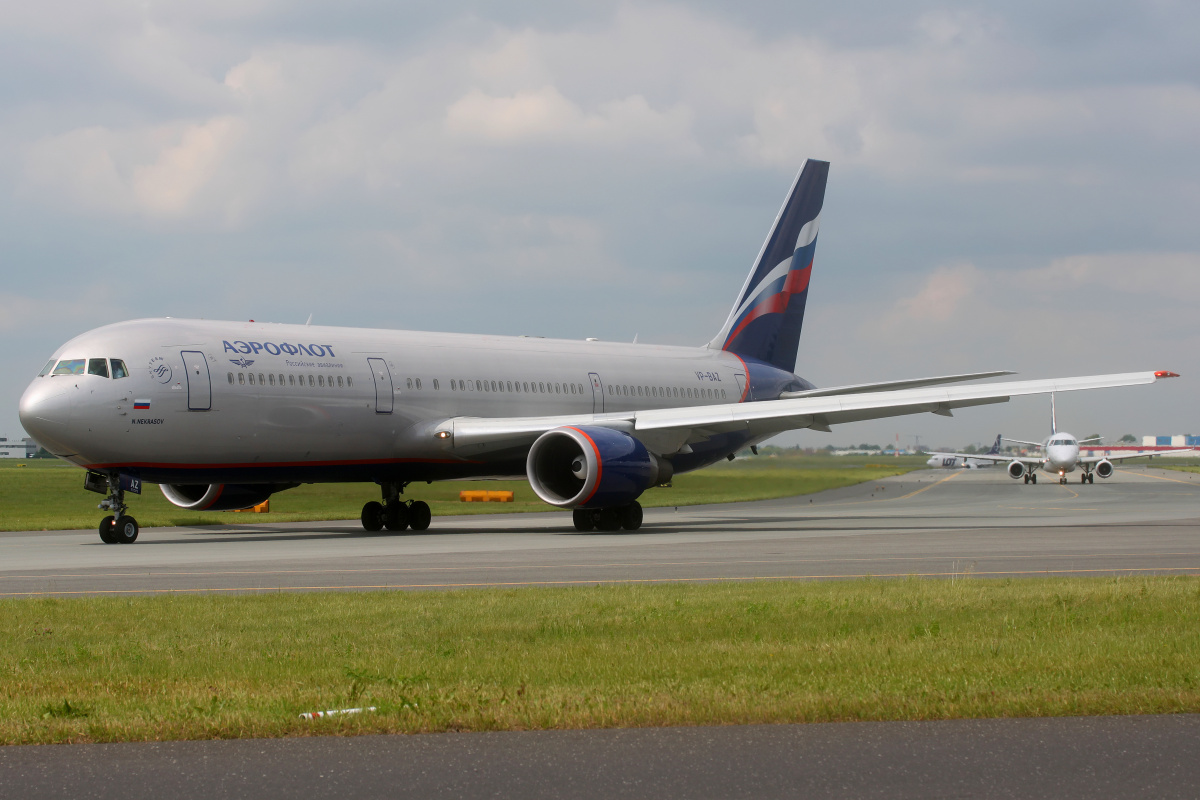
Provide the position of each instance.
(766, 320)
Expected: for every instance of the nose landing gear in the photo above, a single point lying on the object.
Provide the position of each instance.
(118, 528)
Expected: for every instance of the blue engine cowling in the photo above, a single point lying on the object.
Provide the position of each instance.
(220, 496)
(591, 467)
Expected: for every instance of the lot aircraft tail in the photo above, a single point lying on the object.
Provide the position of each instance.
(766, 319)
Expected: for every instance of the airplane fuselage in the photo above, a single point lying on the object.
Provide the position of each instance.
(209, 401)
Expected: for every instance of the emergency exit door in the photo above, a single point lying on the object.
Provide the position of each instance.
(198, 381)
(383, 385)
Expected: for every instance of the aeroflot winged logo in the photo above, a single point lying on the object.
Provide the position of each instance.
(242, 362)
(317, 350)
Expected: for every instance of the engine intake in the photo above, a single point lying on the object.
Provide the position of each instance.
(1104, 468)
(1016, 469)
(220, 496)
(591, 467)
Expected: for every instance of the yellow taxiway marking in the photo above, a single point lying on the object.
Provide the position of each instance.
(595, 581)
(949, 477)
(1158, 478)
(610, 565)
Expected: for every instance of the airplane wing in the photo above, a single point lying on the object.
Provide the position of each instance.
(1123, 456)
(669, 430)
(1022, 441)
(994, 458)
(887, 386)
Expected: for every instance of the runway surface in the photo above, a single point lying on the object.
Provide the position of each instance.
(1029, 758)
(928, 523)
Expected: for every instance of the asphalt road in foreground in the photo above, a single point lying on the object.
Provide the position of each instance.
(929, 523)
(1068, 757)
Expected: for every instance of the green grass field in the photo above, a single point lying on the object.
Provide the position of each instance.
(201, 666)
(48, 495)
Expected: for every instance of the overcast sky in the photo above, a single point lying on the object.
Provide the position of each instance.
(1011, 188)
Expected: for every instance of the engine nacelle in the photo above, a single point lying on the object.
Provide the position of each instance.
(591, 467)
(1104, 468)
(219, 496)
(1016, 469)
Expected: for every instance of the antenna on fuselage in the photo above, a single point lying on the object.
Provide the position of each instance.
(309, 320)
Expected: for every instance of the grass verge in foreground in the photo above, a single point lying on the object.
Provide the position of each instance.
(49, 495)
(199, 666)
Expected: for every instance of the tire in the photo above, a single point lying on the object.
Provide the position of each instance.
(1091, 477)
(419, 515)
(107, 531)
(608, 519)
(631, 516)
(583, 519)
(395, 516)
(1033, 478)
(372, 516)
(125, 530)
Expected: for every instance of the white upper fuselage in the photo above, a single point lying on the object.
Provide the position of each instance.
(268, 397)
(1061, 451)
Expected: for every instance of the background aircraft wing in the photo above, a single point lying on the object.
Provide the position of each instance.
(993, 457)
(668, 430)
(1123, 456)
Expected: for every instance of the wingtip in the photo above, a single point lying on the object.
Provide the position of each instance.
(1165, 373)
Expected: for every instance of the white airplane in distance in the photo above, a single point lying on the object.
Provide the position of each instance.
(1060, 455)
(964, 460)
(224, 414)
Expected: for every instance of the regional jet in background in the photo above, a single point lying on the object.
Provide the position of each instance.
(964, 460)
(1060, 454)
(224, 414)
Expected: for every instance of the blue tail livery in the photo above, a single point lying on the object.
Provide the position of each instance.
(766, 319)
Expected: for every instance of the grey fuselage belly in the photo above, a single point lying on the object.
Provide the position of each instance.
(209, 401)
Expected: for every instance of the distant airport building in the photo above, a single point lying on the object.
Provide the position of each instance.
(1178, 440)
(26, 448)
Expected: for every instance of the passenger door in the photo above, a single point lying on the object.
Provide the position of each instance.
(383, 385)
(198, 380)
(597, 393)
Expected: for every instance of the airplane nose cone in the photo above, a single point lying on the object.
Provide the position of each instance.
(45, 412)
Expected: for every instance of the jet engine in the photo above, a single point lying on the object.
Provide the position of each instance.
(220, 496)
(1104, 468)
(591, 467)
(1016, 469)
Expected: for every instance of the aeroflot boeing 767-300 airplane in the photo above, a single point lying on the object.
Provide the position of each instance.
(224, 414)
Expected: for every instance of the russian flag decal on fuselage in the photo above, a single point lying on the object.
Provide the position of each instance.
(141, 405)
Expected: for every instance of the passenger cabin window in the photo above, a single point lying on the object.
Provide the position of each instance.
(73, 366)
(231, 379)
(350, 382)
(98, 366)
(241, 378)
(251, 378)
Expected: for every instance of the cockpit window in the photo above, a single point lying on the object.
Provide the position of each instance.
(98, 366)
(70, 366)
(49, 366)
(118, 369)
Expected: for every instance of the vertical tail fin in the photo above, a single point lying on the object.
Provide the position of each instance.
(766, 319)
(995, 447)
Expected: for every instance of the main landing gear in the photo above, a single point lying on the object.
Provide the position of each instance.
(119, 527)
(1031, 477)
(395, 514)
(613, 518)
(1087, 477)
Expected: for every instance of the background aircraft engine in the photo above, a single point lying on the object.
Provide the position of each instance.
(1016, 469)
(590, 467)
(219, 496)
(1104, 469)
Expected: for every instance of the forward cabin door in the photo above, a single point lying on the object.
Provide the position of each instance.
(741, 382)
(597, 393)
(383, 385)
(198, 380)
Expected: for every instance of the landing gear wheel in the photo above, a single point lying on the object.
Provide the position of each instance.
(395, 516)
(1083, 478)
(419, 515)
(1063, 480)
(1027, 478)
(106, 531)
(1091, 477)
(1033, 478)
(372, 516)
(608, 519)
(125, 530)
(584, 519)
(631, 516)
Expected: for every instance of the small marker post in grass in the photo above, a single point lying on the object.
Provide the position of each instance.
(334, 712)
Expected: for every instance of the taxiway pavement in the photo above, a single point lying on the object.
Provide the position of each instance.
(927, 523)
